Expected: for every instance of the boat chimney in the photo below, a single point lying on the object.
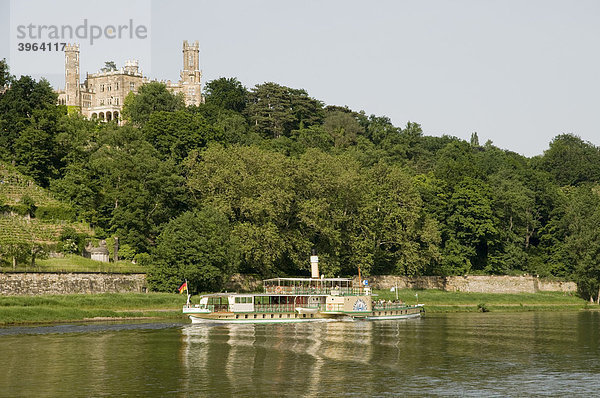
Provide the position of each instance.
(314, 264)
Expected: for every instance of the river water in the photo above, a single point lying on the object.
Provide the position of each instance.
(491, 354)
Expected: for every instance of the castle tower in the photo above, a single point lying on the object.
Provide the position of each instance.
(191, 56)
(72, 88)
(191, 74)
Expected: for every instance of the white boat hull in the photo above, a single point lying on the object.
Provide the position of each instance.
(389, 317)
(207, 321)
(203, 320)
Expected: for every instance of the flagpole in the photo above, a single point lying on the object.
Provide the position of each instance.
(187, 292)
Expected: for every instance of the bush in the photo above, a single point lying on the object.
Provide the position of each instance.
(143, 259)
(70, 241)
(126, 252)
(28, 205)
(55, 213)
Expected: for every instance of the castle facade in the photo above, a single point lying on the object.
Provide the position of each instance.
(102, 94)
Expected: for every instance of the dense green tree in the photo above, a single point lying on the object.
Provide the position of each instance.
(571, 160)
(275, 110)
(175, 134)
(455, 162)
(253, 187)
(469, 231)
(381, 128)
(109, 66)
(151, 97)
(28, 123)
(227, 93)
(329, 193)
(197, 247)
(76, 137)
(393, 228)
(313, 137)
(343, 128)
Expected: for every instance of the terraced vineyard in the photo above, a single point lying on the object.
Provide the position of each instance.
(16, 229)
(13, 186)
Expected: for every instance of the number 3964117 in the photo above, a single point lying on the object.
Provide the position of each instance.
(43, 46)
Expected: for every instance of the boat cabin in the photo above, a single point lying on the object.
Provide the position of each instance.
(312, 286)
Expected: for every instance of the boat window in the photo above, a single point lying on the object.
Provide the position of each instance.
(243, 300)
(217, 300)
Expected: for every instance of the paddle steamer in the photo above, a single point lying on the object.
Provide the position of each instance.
(299, 300)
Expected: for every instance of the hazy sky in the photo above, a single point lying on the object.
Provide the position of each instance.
(516, 72)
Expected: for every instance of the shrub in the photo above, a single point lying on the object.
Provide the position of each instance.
(143, 259)
(55, 213)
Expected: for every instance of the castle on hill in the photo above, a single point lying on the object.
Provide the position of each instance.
(102, 94)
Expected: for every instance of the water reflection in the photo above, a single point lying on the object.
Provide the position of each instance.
(455, 354)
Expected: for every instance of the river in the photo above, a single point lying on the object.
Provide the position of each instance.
(491, 354)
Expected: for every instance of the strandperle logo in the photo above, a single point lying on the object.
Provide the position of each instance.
(84, 31)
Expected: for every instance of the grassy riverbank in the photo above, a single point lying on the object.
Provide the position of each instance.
(75, 263)
(440, 301)
(90, 307)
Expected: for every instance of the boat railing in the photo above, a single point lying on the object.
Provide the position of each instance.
(282, 307)
(290, 290)
(389, 306)
(273, 307)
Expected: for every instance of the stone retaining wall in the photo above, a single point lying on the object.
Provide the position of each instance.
(12, 284)
(474, 283)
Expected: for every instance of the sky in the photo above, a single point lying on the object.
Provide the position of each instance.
(516, 72)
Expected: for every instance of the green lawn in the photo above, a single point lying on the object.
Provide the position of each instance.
(77, 307)
(74, 263)
(441, 301)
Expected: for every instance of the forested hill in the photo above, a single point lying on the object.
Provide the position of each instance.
(253, 179)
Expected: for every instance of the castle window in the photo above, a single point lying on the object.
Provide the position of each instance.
(117, 101)
(110, 101)
(117, 86)
(101, 102)
(102, 87)
(131, 86)
(108, 88)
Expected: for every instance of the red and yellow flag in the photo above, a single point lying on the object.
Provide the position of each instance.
(183, 287)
